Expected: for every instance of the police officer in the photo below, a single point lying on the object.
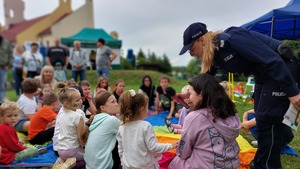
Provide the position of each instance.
(239, 50)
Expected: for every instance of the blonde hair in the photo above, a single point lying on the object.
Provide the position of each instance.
(44, 69)
(9, 106)
(208, 50)
(65, 96)
(130, 105)
(16, 52)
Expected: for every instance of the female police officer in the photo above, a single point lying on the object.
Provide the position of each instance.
(238, 50)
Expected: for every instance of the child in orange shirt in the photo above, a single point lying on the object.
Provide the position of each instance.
(38, 132)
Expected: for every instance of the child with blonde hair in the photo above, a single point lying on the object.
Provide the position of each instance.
(12, 147)
(70, 126)
(102, 134)
(138, 145)
(120, 85)
(101, 84)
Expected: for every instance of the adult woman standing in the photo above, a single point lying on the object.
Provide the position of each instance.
(239, 50)
(18, 67)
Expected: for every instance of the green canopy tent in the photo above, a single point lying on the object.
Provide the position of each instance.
(88, 38)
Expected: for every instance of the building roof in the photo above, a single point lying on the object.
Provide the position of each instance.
(15, 29)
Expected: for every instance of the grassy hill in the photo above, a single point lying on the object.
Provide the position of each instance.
(133, 79)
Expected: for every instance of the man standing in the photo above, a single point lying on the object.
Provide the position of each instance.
(78, 60)
(104, 58)
(56, 54)
(33, 61)
(6, 61)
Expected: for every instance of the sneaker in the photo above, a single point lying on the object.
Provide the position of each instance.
(59, 161)
(70, 163)
(42, 150)
(171, 129)
(254, 143)
(167, 122)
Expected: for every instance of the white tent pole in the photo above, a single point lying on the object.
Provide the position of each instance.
(272, 27)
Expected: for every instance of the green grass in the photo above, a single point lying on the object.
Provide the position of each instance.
(133, 80)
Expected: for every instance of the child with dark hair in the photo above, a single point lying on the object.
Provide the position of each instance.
(148, 88)
(38, 132)
(102, 134)
(27, 103)
(45, 89)
(88, 106)
(209, 132)
(12, 147)
(138, 145)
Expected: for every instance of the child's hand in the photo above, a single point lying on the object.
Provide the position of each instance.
(21, 142)
(156, 155)
(175, 144)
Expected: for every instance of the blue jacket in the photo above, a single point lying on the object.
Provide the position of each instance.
(244, 51)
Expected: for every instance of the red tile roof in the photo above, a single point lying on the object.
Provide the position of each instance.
(15, 29)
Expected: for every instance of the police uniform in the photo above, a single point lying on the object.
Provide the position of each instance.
(242, 51)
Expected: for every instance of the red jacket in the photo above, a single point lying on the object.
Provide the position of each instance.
(9, 142)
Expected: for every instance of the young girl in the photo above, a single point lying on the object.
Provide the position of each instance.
(46, 88)
(120, 85)
(138, 145)
(12, 147)
(101, 84)
(102, 134)
(209, 132)
(71, 127)
(148, 88)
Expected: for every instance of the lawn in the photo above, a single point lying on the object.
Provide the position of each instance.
(133, 79)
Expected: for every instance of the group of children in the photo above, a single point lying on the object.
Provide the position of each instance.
(116, 133)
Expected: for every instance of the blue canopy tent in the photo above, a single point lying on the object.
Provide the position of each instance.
(282, 23)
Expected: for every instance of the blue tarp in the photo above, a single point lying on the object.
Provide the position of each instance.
(282, 23)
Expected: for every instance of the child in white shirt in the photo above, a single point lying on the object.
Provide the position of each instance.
(138, 146)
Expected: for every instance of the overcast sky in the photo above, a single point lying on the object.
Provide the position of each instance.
(158, 25)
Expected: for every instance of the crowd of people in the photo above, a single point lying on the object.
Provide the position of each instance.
(106, 129)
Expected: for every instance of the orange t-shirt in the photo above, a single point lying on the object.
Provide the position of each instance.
(40, 121)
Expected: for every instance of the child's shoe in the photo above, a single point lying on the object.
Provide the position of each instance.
(68, 164)
(171, 129)
(42, 150)
(167, 122)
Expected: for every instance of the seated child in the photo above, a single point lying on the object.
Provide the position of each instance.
(38, 132)
(120, 85)
(177, 128)
(148, 88)
(88, 106)
(101, 84)
(138, 145)
(46, 88)
(59, 72)
(27, 103)
(12, 147)
(249, 124)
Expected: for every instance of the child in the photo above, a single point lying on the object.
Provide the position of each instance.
(12, 147)
(71, 127)
(59, 72)
(209, 132)
(138, 145)
(148, 88)
(120, 85)
(27, 104)
(177, 128)
(88, 106)
(102, 134)
(38, 132)
(46, 88)
(101, 84)
(163, 99)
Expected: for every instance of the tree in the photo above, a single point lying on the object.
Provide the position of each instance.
(141, 57)
(193, 67)
(165, 64)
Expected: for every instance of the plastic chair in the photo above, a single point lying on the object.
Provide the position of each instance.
(250, 82)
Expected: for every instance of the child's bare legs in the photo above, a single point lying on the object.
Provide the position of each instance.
(78, 153)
